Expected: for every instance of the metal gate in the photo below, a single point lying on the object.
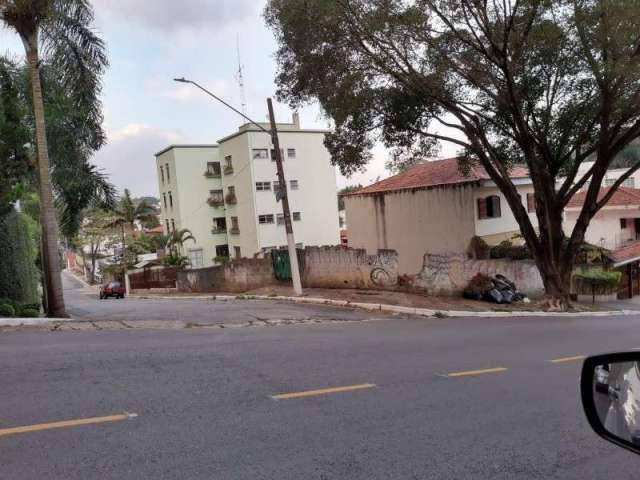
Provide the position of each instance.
(282, 266)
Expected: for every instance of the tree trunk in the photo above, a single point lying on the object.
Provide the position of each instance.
(48, 223)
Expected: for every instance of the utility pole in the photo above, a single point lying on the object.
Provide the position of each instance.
(291, 243)
(282, 187)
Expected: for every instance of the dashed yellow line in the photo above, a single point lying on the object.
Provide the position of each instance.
(469, 373)
(322, 391)
(568, 359)
(66, 424)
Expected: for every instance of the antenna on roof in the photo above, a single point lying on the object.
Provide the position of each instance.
(240, 77)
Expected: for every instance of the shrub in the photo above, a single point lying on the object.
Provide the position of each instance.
(478, 248)
(7, 310)
(222, 259)
(506, 249)
(597, 282)
(18, 273)
(29, 313)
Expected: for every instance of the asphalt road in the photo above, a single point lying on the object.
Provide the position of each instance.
(205, 407)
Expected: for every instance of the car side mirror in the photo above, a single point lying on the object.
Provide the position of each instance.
(610, 390)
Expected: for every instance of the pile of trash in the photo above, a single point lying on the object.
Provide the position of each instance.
(498, 289)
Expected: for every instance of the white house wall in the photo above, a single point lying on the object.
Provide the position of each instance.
(505, 225)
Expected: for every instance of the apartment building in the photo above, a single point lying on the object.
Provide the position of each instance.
(226, 193)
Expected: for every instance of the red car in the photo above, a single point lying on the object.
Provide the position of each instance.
(112, 289)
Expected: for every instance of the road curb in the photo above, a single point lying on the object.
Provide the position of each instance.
(372, 307)
(19, 322)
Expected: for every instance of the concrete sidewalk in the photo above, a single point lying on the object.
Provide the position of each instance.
(381, 307)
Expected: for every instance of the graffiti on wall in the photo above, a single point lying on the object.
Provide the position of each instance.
(383, 267)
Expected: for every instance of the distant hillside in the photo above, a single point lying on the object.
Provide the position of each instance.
(629, 156)
(153, 201)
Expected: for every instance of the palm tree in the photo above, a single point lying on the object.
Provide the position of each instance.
(177, 238)
(128, 212)
(63, 29)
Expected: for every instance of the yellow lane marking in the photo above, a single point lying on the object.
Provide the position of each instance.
(66, 424)
(477, 372)
(322, 391)
(567, 359)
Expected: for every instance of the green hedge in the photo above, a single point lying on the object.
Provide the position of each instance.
(18, 272)
(597, 282)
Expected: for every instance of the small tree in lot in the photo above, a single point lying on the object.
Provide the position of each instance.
(547, 84)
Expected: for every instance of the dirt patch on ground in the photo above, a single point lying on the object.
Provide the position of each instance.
(408, 299)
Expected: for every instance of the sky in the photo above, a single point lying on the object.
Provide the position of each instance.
(145, 110)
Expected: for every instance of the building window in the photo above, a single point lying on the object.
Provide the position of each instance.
(235, 226)
(166, 165)
(219, 225)
(170, 200)
(276, 186)
(264, 219)
(162, 173)
(291, 152)
(196, 258)
(260, 153)
(531, 202)
(280, 219)
(228, 165)
(231, 195)
(489, 207)
(222, 250)
(297, 216)
(268, 249)
(623, 223)
(173, 225)
(237, 252)
(263, 186)
(213, 169)
(273, 154)
(299, 246)
(164, 199)
(293, 184)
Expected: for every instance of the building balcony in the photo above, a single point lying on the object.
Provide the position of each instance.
(231, 199)
(209, 174)
(234, 230)
(215, 202)
(228, 169)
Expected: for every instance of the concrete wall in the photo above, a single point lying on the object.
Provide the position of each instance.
(337, 267)
(437, 220)
(444, 274)
(238, 276)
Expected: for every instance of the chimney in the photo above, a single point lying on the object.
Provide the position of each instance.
(296, 119)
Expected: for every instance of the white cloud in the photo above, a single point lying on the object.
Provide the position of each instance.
(172, 15)
(129, 160)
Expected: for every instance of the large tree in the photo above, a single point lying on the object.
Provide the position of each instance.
(544, 83)
(61, 30)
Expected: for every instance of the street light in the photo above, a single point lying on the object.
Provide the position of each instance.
(291, 243)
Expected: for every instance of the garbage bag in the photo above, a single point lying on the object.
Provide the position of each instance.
(493, 295)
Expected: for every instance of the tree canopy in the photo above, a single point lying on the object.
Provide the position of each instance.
(547, 84)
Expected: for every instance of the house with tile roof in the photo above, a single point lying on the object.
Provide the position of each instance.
(616, 225)
(433, 208)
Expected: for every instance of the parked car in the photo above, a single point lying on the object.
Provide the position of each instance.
(112, 289)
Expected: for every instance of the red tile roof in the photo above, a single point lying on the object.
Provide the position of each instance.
(622, 197)
(626, 254)
(434, 173)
